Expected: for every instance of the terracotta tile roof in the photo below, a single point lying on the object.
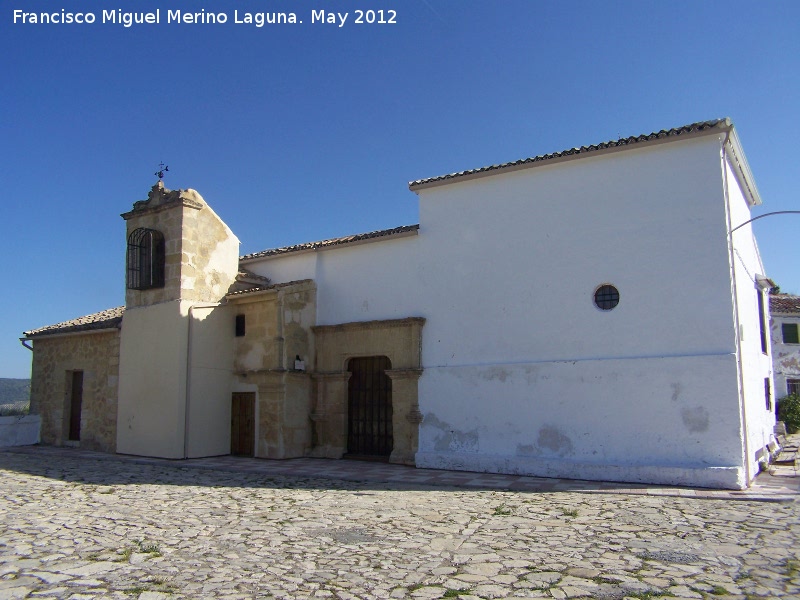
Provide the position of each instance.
(721, 124)
(784, 303)
(273, 286)
(349, 239)
(105, 319)
(245, 275)
(112, 317)
(247, 280)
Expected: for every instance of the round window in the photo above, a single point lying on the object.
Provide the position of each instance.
(606, 297)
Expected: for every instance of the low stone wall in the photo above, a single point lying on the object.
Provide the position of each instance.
(21, 430)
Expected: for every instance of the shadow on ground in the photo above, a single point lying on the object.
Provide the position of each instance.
(95, 468)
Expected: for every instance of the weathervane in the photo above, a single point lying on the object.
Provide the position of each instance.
(162, 168)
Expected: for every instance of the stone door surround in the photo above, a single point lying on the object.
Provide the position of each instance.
(400, 341)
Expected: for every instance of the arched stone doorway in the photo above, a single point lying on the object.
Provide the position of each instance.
(397, 342)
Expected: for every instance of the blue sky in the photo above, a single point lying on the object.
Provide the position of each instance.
(301, 132)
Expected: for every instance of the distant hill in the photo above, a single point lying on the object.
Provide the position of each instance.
(14, 390)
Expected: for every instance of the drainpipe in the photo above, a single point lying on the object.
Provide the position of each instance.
(736, 323)
(23, 340)
(281, 340)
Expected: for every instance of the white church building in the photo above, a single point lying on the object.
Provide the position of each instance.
(584, 314)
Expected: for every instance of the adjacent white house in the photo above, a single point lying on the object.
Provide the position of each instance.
(785, 327)
(582, 314)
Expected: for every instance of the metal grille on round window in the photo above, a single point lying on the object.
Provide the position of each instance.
(606, 297)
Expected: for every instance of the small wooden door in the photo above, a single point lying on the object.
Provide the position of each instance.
(243, 423)
(369, 408)
(75, 403)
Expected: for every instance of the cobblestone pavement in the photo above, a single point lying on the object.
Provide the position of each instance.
(76, 526)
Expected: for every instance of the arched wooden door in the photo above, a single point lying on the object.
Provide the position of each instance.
(369, 408)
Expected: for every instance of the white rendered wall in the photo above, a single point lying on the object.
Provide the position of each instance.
(211, 364)
(755, 365)
(644, 420)
(646, 388)
(362, 282)
(286, 267)
(515, 260)
(152, 380)
(522, 373)
(20, 430)
(154, 356)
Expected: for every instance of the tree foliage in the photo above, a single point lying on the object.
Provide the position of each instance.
(14, 390)
(789, 412)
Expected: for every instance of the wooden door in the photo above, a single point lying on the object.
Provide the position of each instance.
(75, 404)
(243, 423)
(369, 408)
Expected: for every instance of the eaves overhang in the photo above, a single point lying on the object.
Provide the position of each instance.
(105, 320)
(741, 168)
(693, 130)
(73, 333)
(333, 243)
(257, 292)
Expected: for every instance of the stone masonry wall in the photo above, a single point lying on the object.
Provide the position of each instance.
(278, 325)
(209, 256)
(400, 341)
(259, 348)
(277, 328)
(54, 360)
(170, 223)
(201, 252)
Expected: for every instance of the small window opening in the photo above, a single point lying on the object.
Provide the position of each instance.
(792, 387)
(606, 297)
(240, 327)
(762, 322)
(768, 393)
(790, 333)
